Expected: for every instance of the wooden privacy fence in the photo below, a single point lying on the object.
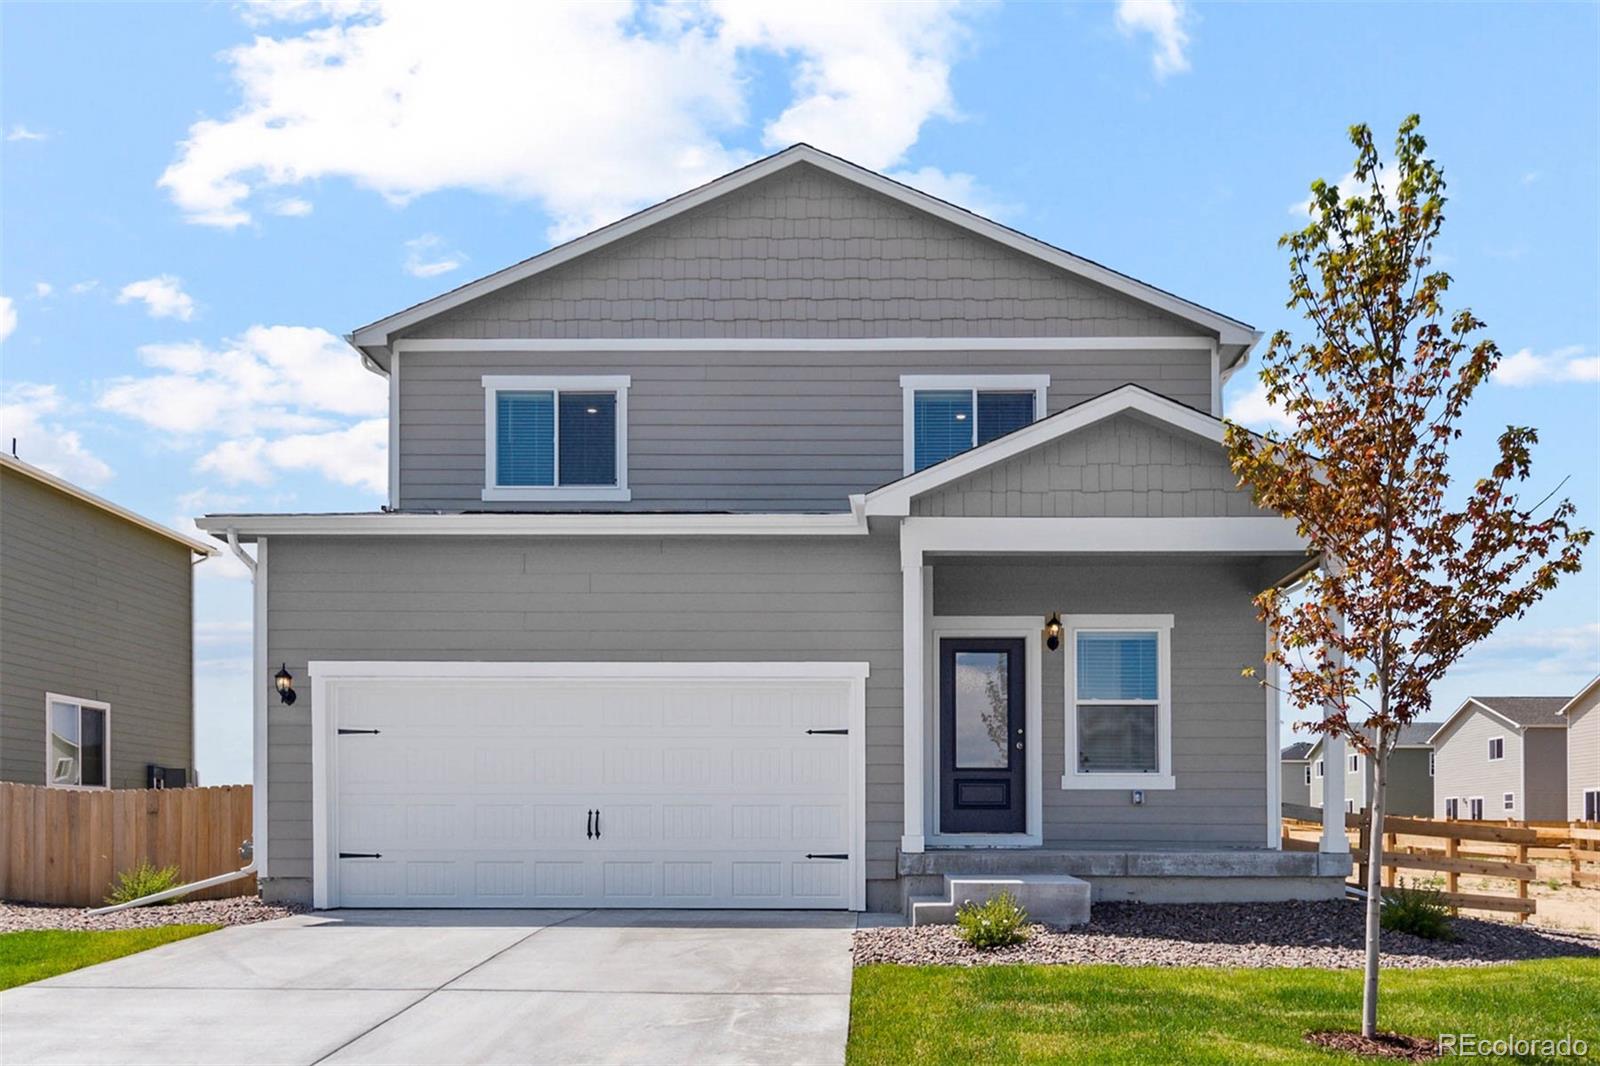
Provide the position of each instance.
(1497, 852)
(1585, 855)
(66, 846)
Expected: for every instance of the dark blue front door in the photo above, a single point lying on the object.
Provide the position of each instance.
(982, 748)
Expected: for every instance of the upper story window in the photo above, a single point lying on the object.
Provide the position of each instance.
(78, 754)
(946, 414)
(1319, 768)
(1308, 775)
(556, 438)
(1354, 762)
(1497, 748)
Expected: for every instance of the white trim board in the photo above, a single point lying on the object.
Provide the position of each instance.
(1029, 628)
(1230, 331)
(619, 524)
(804, 344)
(326, 673)
(1109, 535)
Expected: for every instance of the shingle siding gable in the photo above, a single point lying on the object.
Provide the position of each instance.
(803, 254)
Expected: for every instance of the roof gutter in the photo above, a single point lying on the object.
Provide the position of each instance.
(240, 553)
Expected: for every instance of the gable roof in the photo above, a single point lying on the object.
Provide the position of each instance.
(1582, 694)
(62, 485)
(373, 339)
(1412, 735)
(1518, 712)
(894, 498)
(1296, 752)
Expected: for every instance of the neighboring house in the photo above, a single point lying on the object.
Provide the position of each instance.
(1502, 757)
(1583, 753)
(1410, 774)
(96, 639)
(720, 552)
(1295, 770)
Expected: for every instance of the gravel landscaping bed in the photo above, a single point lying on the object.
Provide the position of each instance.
(1328, 935)
(240, 910)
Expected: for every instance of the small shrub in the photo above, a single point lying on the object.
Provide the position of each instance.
(997, 922)
(143, 880)
(1418, 910)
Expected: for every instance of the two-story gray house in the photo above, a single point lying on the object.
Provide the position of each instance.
(796, 542)
(1582, 715)
(1502, 757)
(1410, 789)
(1295, 774)
(96, 639)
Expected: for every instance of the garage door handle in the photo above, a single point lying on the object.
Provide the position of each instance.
(352, 732)
(597, 825)
(588, 826)
(359, 855)
(828, 732)
(829, 855)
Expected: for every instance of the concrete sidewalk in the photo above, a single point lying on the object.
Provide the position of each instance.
(457, 987)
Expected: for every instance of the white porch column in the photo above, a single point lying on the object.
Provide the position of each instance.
(914, 582)
(1333, 835)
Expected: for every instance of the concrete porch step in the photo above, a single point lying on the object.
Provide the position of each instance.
(1056, 899)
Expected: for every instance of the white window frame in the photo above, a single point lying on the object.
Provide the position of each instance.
(49, 766)
(1322, 769)
(1308, 775)
(1452, 808)
(1349, 806)
(1591, 798)
(1430, 764)
(1161, 624)
(911, 384)
(1501, 740)
(1509, 799)
(1354, 764)
(557, 384)
(1478, 801)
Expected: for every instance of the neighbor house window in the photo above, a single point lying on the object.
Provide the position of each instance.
(1430, 764)
(1119, 701)
(1497, 748)
(1510, 800)
(1591, 804)
(78, 753)
(1350, 806)
(1475, 809)
(1320, 770)
(555, 438)
(1355, 763)
(1308, 775)
(946, 415)
(1452, 808)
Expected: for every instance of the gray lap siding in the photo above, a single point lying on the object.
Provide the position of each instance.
(601, 598)
(745, 430)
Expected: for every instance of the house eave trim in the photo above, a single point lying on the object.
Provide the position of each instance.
(100, 502)
(549, 525)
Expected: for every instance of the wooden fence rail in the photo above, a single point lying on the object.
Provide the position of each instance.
(66, 846)
(1585, 855)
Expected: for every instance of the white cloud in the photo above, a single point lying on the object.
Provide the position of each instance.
(268, 379)
(292, 207)
(1526, 367)
(8, 317)
(41, 289)
(81, 287)
(162, 296)
(426, 257)
(357, 456)
(32, 414)
(224, 565)
(19, 132)
(1166, 21)
(1388, 181)
(1253, 409)
(1519, 649)
(592, 110)
(957, 188)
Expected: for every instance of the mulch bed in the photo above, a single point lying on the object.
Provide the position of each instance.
(1384, 1045)
(1324, 934)
(240, 910)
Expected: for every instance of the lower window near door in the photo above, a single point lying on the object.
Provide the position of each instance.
(1118, 701)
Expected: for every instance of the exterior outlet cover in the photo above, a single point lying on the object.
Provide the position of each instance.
(1138, 797)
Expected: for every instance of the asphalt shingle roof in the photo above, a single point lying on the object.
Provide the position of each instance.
(1298, 750)
(1527, 710)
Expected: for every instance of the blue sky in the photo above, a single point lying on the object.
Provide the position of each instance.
(205, 196)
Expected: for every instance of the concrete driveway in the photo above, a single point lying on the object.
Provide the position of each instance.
(457, 986)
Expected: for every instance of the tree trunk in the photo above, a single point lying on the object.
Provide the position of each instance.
(1375, 805)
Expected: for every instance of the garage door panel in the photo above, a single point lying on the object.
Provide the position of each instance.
(478, 793)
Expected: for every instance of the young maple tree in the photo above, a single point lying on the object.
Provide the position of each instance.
(1412, 573)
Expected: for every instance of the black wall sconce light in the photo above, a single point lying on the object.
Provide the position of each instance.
(284, 681)
(1052, 631)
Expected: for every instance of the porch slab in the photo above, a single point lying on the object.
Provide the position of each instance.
(1093, 863)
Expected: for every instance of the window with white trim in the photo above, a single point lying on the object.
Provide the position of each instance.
(77, 742)
(947, 414)
(1430, 764)
(1510, 800)
(1350, 806)
(555, 438)
(1308, 775)
(1320, 768)
(1452, 808)
(1354, 763)
(1591, 804)
(1497, 748)
(1475, 808)
(1118, 701)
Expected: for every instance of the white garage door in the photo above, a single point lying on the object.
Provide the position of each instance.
(627, 785)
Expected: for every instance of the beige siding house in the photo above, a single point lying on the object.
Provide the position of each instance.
(1410, 774)
(1502, 757)
(797, 542)
(96, 638)
(1582, 715)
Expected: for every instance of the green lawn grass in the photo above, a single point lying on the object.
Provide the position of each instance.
(1116, 1014)
(37, 954)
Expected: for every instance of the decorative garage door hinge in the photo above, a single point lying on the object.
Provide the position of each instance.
(347, 732)
(359, 855)
(827, 855)
(829, 732)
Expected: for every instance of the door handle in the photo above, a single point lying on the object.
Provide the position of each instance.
(597, 825)
(588, 825)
